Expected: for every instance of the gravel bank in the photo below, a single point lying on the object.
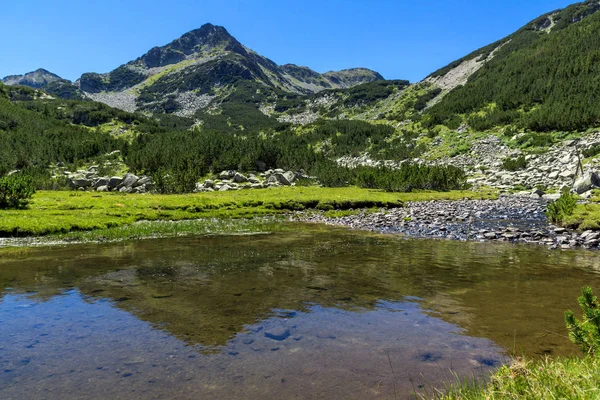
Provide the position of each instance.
(508, 219)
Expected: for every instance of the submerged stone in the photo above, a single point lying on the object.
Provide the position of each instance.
(278, 334)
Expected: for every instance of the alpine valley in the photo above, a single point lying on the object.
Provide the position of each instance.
(513, 115)
(204, 223)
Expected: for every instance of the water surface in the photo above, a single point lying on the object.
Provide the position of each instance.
(311, 313)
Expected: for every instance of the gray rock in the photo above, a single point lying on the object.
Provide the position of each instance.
(239, 178)
(142, 181)
(279, 178)
(114, 182)
(208, 183)
(562, 240)
(102, 188)
(226, 175)
(81, 183)
(567, 174)
(100, 182)
(588, 181)
(290, 176)
(225, 188)
(128, 181)
(551, 196)
(126, 189)
(553, 175)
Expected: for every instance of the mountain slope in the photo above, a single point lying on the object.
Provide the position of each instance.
(543, 77)
(202, 67)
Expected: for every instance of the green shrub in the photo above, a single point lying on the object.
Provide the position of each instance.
(561, 208)
(406, 178)
(15, 191)
(411, 177)
(591, 152)
(514, 164)
(535, 140)
(330, 174)
(585, 333)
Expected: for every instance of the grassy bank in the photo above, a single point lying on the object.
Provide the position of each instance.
(557, 378)
(62, 212)
(585, 216)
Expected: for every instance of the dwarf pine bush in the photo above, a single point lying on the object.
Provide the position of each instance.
(585, 333)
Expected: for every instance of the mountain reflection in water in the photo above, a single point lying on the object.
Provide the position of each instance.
(312, 313)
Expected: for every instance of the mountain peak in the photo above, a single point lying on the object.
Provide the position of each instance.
(199, 42)
(35, 79)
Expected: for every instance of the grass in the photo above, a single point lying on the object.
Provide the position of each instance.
(557, 378)
(63, 212)
(585, 216)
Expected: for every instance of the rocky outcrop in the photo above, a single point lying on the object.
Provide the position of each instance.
(234, 180)
(89, 180)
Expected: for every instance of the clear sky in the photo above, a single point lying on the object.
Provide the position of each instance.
(401, 39)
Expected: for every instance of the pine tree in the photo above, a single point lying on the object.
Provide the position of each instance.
(585, 333)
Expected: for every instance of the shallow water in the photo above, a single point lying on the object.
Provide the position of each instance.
(311, 313)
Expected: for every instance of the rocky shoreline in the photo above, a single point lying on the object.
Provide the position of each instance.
(512, 219)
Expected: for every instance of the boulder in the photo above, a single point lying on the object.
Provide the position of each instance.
(567, 174)
(126, 189)
(279, 178)
(114, 182)
(290, 176)
(128, 181)
(81, 183)
(253, 179)
(588, 181)
(102, 188)
(225, 188)
(226, 175)
(208, 184)
(144, 180)
(239, 178)
(100, 182)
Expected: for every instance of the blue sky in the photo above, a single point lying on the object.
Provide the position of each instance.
(401, 39)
